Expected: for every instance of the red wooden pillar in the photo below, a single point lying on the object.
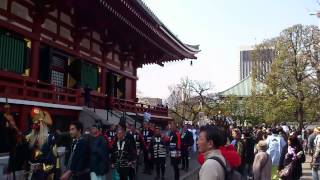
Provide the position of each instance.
(103, 80)
(23, 118)
(134, 84)
(35, 46)
(134, 89)
(35, 60)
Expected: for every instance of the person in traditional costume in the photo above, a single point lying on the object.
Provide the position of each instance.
(122, 155)
(15, 145)
(175, 150)
(9, 118)
(42, 164)
(158, 147)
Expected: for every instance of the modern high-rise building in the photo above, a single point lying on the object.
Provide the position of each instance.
(248, 60)
(251, 60)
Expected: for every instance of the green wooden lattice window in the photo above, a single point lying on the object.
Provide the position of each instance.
(89, 75)
(12, 53)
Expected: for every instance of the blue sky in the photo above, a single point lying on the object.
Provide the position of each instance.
(222, 28)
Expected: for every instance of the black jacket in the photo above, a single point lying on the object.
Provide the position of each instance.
(121, 157)
(18, 159)
(79, 161)
(158, 147)
(186, 139)
(99, 155)
(248, 150)
(147, 136)
(175, 144)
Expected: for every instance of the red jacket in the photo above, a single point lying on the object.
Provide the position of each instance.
(229, 153)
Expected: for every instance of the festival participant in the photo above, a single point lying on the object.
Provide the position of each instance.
(10, 142)
(186, 145)
(110, 136)
(123, 155)
(158, 149)
(175, 150)
(129, 137)
(138, 140)
(42, 161)
(147, 136)
(9, 118)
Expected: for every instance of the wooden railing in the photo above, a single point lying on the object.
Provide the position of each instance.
(19, 87)
(135, 107)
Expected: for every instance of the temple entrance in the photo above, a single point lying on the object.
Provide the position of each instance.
(116, 85)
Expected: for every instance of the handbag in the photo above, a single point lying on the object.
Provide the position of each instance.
(286, 171)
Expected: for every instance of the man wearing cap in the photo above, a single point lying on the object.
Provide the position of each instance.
(158, 150)
(98, 154)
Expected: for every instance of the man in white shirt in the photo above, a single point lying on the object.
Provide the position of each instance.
(275, 145)
(194, 134)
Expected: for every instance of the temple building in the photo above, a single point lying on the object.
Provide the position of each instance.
(53, 52)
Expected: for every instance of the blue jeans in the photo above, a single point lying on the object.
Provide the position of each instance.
(315, 175)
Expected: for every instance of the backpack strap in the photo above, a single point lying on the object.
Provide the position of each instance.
(224, 167)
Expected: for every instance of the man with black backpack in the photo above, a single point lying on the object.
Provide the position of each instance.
(215, 166)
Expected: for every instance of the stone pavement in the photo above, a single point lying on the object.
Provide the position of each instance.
(190, 175)
(306, 170)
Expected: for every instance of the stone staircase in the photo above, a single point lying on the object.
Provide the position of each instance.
(90, 116)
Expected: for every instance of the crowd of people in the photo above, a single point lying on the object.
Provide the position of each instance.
(225, 151)
(259, 153)
(92, 153)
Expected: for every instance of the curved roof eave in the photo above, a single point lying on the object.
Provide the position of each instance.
(193, 49)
